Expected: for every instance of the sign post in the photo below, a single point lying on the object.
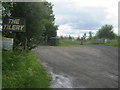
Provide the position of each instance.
(13, 25)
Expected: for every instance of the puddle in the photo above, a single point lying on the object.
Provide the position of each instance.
(113, 76)
(60, 81)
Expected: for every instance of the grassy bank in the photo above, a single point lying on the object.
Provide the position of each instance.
(22, 70)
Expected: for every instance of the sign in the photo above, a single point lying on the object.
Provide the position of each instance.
(7, 43)
(14, 24)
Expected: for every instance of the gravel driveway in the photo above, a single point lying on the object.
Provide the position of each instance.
(80, 67)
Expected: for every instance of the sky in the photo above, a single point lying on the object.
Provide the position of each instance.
(76, 17)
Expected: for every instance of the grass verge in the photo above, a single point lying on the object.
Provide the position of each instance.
(22, 70)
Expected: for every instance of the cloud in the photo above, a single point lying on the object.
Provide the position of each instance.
(85, 18)
(67, 29)
(75, 16)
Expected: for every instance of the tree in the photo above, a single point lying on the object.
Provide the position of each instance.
(106, 32)
(61, 37)
(70, 37)
(6, 8)
(0, 10)
(90, 35)
(39, 23)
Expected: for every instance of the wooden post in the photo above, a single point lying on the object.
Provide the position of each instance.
(24, 43)
(14, 40)
(81, 40)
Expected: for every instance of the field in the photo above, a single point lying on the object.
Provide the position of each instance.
(70, 42)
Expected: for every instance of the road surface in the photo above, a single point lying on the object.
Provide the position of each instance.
(80, 67)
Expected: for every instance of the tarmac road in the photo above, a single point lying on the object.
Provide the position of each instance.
(84, 66)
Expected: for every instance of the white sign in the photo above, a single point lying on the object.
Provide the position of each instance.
(7, 43)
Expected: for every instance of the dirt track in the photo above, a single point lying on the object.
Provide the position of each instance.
(83, 66)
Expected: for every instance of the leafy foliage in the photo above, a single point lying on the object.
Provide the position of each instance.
(39, 23)
(106, 31)
(7, 7)
(90, 35)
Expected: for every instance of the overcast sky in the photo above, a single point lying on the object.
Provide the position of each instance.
(76, 17)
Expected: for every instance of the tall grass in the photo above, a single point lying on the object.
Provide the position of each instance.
(22, 70)
(113, 43)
